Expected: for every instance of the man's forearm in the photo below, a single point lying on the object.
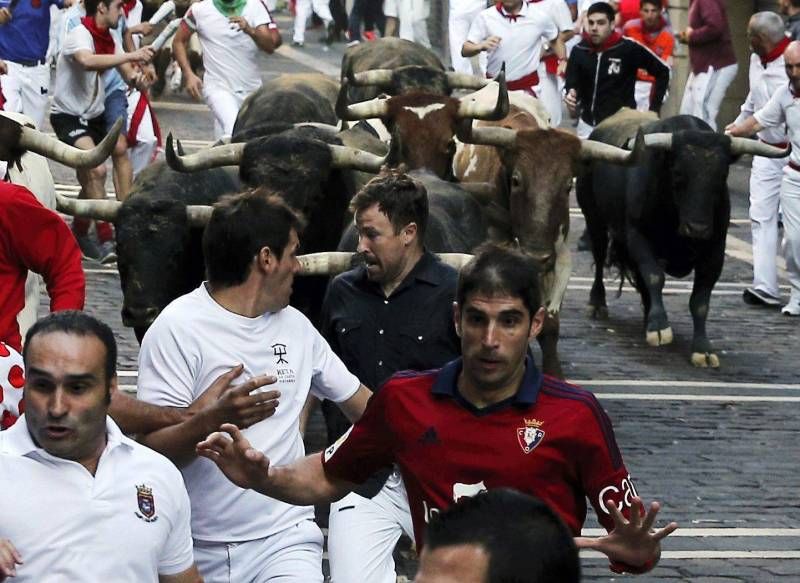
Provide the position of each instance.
(103, 62)
(470, 49)
(177, 442)
(264, 40)
(137, 417)
(303, 483)
(179, 52)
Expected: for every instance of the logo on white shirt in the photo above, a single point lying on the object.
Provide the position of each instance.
(147, 504)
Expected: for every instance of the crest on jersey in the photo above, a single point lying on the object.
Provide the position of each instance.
(530, 436)
(147, 504)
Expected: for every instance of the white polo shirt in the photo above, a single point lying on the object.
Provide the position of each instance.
(229, 55)
(783, 109)
(764, 83)
(195, 340)
(522, 38)
(558, 11)
(128, 522)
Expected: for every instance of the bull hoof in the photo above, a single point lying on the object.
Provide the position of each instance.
(705, 360)
(597, 312)
(660, 337)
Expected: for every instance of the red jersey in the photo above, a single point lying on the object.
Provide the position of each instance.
(32, 237)
(552, 440)
(660, 41)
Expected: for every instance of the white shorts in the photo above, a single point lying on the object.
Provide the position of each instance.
(26, 90)
(293, 555)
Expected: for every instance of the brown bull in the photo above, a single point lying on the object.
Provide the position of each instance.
(529, 169)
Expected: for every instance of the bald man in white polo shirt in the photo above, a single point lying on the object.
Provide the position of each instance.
(513, 32)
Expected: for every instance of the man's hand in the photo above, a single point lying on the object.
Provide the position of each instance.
(194, 85)
(3, 67)
(684, 35)
(491, 43)
(242, 464)
(142, 55)
(224, 403)
(571, 101)
(9, 559)
(143, 28)
(5, 16)
(632, 542)
(240, 22)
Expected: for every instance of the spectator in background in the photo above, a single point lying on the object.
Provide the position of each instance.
(371, 13)
(477, 541)
(652, 30)
(791, 8)
(460, 18)
(711, 59)
(552, 67)
(302, 12)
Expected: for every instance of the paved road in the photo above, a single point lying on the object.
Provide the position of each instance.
(718, 448)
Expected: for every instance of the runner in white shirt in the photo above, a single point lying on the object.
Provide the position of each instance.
(409, 19)
(79, 500)
(513, 32)
(231, 34)
(461, 16)
(783, 109)
(240, 316)
(551, 68)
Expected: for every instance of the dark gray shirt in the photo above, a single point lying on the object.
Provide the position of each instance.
(793, 26)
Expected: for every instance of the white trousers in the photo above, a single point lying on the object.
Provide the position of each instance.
(224, 104)
(584, 129)
(766, 176)
(457, 30)
(26, 90)
(145, 150)
(550, 92)
(413, 19)
(641, 93)
(293, 555)
(302, 12)
(704, 93)
(790, 207)
(363, 532)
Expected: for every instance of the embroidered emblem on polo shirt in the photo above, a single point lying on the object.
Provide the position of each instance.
(530, 436)
(147, 504)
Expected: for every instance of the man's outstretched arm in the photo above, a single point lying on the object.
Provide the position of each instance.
(303, 482)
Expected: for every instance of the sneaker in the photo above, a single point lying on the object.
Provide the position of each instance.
(89, 248)
(791, 309)
(108, 253)
(353, 43)
(756, 297)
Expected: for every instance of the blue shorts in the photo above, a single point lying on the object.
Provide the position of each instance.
(116, 107)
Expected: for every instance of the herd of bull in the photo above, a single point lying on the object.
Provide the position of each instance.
(653, 192)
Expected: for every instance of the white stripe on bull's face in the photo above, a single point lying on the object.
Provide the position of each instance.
(473, 162)
(422, 112)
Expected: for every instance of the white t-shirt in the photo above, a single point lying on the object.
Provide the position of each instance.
(783, 108)
(558, 11)
(195, 340)
(128, 522)
(522, 39)
(764, 83)
(12, 380)
(229, 55)
(78, 92)
(459, 7)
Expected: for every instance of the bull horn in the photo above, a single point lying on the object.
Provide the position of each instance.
(469, 107)
(455, 260)
(213, 157)
(380, 77)
(483, 192)
(659, 141)
(486, 136)
(325, 127)
(101, 210)
(198, 214)
(378, 107)
(39, 143)
(345, 157)
(465, 81)
(334, 262)
(592, 150)
(741, 146)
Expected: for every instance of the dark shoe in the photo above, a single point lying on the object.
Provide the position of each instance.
(756, 297)
(585, 243)
(329, 33)
(89, 248)
(108, 253)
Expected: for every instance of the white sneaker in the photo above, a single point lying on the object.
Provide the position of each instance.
(791, 309)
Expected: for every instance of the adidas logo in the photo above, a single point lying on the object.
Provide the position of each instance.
(429, 437)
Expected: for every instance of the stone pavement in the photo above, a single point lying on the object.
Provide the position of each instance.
(718, 448)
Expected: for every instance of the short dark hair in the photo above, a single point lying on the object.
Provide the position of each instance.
(656, 3)
(240, 226)
(401, 198)
(526, 541)
(91, 6)
(501, 269)
(79, 324)
(603, 8)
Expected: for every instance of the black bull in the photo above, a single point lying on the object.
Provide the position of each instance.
(666, 215)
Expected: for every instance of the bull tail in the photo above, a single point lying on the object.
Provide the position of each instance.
(618, 258)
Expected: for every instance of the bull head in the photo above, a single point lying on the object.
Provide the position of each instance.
(231, 155)
(107, 210)
(17, 138)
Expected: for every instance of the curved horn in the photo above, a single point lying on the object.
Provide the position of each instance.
(470, 107)
(455, 260)
(325, 127)
(486, 136)
(334, 262)
(378, 107)
(659, 141)
(35, 141)
(741, 146)
(380, 77)
(592, 150)
(198, 214)
(101, 210)
(345, 157)
(214, 157)
(465, 81)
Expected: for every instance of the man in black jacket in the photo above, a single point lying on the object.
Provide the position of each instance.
(601, 72)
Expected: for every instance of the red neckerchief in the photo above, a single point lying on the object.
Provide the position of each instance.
(510, 17)
(103, 41)
(612, 40)
(128, 6)
(776, 52)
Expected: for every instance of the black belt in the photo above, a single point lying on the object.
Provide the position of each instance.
(29, 63)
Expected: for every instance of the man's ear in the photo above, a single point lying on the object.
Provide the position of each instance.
(457, 318)
(265, 258)
(537, 322)
(409, 233)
